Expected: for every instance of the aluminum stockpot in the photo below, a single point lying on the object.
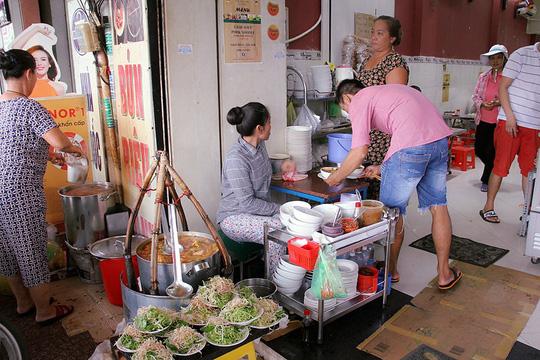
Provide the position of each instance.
(85, 206)
(193, 273)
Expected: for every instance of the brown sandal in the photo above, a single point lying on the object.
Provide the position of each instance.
(61, 312)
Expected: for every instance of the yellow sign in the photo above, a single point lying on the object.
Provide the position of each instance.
(134, 112)
(446, 87)
(242, 31)
(69, 112)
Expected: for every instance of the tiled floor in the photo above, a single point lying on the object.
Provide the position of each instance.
(417, 267)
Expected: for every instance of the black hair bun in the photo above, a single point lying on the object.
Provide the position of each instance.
(235, 116)
(7, 62)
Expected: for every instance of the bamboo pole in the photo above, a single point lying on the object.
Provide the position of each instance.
(176, 201)
(130, 273)
(111, 140)
(228, 268)
(157, 223)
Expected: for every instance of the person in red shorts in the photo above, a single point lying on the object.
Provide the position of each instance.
(519, 122)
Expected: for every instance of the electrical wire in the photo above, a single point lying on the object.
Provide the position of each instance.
(305, 32)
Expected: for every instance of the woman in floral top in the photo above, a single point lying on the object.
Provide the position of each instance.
(384, 66)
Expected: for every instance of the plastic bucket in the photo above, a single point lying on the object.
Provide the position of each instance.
(372, 212)
(110, 273)
(339, 146)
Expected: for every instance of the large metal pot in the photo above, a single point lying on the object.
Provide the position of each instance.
(85, 206)
(193, 273)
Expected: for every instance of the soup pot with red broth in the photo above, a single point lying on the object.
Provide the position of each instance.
(200, 260)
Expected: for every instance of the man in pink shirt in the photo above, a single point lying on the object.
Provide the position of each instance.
(417, 159)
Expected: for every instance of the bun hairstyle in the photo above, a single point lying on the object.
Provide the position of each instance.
(248, 117)
(394, 28)
(15, 62)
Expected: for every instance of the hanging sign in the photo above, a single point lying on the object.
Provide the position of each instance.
(242, 31)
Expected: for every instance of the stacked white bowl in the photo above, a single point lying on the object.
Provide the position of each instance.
(303, 222)
(322, 79)
(285, 210)
(299, 147)
(288, 277)
(312, 302)
(349, 275)
(328, 211)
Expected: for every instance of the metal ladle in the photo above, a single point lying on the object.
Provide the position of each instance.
(178, 289)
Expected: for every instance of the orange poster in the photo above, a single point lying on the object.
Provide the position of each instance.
(69, 112)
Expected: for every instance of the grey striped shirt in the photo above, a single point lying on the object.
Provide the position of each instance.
(245, 182)
(523, 67)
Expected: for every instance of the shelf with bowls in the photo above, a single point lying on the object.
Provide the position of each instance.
(298, 301)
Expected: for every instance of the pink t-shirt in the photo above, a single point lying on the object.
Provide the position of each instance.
(491, 93)
(399, 110)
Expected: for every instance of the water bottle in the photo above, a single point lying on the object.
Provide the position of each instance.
(361, 256)
(370, 254)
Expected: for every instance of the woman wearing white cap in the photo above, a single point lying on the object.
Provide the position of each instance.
(487, 108)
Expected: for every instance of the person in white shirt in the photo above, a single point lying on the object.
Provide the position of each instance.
(518, 124)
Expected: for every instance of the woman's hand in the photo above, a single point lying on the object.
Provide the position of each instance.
(488, 105)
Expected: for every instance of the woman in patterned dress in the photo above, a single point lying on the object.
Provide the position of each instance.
(384, 66)
(26, 131)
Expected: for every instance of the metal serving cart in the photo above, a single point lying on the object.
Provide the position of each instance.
(530, 218)
(381, 232)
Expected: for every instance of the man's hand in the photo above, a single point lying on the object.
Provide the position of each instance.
(511, 126)
(372, 171)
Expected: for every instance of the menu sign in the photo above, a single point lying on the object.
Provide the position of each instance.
(242, 31)
(134, 112)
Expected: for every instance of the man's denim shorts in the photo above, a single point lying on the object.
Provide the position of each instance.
(422, 167)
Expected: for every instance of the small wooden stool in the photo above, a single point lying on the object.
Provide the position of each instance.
(463, 157)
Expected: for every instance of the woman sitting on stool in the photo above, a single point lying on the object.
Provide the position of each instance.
(245, 184)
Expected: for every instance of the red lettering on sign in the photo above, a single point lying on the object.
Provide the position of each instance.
(131, 95)
(135, 160)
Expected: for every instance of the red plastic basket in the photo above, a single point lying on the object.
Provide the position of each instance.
(368, 283)
(305, 256)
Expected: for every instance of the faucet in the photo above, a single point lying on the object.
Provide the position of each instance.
(293, 69)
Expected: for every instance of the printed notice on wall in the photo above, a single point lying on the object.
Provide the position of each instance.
(242, 31)
(446, 87)
(363, 24)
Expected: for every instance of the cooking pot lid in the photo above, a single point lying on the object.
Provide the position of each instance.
(113, 247)
(82, 190)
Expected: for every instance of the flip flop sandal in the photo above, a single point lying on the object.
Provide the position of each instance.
(395, 280)
(457, 276)
(61, 312)
(490, 214)
(33, 309)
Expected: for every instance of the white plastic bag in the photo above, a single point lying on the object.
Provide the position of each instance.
(307, 118)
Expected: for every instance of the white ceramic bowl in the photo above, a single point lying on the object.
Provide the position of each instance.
(307, 215)
(284, 282)
(284, 219)
(286, 209)
(328, 211)
(286, 264)
(347, 266)
(289, 274)
(288, 290)
(306, 229)
(356, 173)
(347, 208)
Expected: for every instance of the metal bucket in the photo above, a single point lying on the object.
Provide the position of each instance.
(133, 300)
(85, 206)
(87, 265)
(193, 273)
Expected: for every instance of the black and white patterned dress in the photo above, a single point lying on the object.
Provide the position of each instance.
(23, 159)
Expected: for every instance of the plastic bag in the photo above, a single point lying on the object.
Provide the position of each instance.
(307, 118)
(327, 282)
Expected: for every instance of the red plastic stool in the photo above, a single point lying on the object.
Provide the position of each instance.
(463, 157)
